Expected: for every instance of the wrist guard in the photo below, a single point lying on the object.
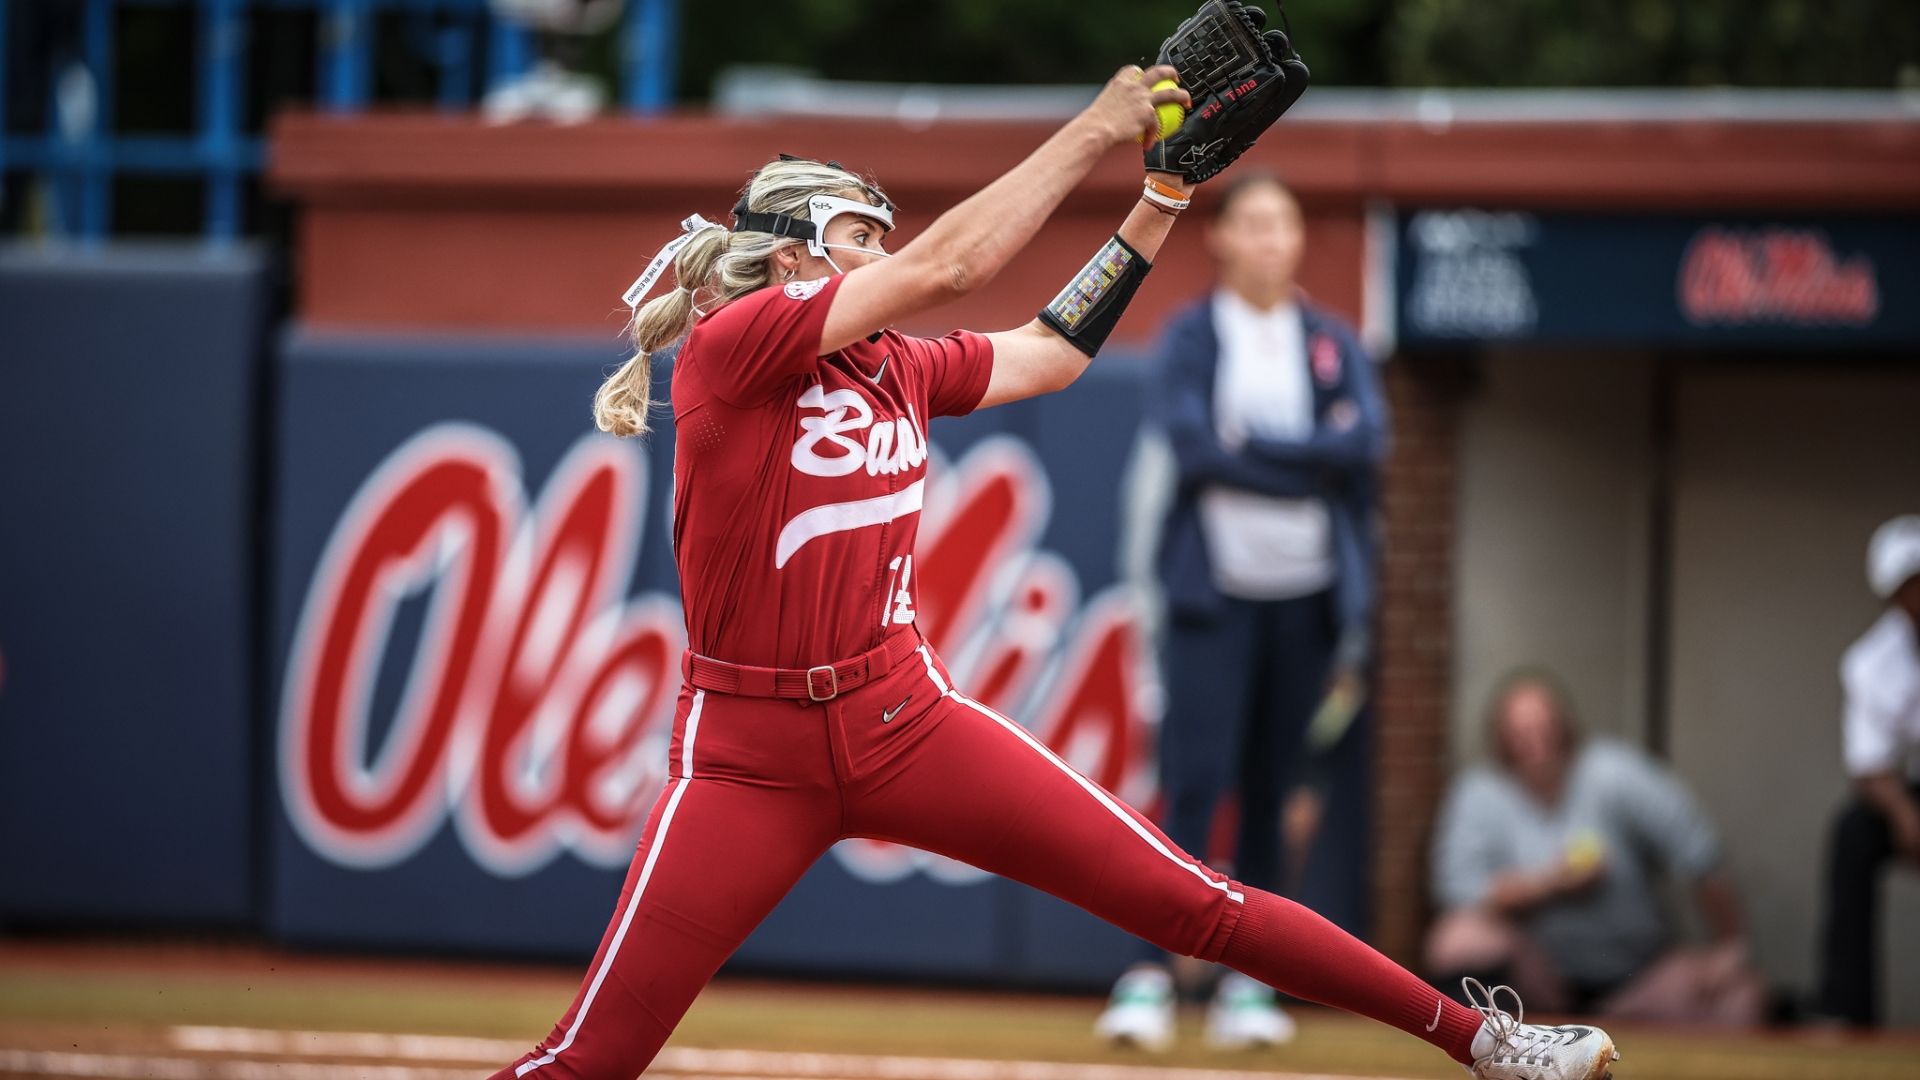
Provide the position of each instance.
(1086, 310)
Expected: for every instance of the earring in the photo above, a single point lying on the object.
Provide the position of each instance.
(789, 276)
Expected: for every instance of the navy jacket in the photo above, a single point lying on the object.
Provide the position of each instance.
(1340, 466)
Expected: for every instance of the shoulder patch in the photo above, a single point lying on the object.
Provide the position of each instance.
(1324, 356)
(804, 290)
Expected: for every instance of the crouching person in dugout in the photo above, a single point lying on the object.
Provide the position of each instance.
(1547, 866)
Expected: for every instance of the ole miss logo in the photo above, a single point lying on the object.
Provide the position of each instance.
(536, 685)
(1787, 276)
(538, 701)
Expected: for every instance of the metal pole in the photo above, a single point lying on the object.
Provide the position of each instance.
(1660, 548)
(455, 43)
(3, 103)
(652, 52)
(223, 48)
(345, 43)
(95, 167)
(507, 50)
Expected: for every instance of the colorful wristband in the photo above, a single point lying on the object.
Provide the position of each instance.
(1165, 195)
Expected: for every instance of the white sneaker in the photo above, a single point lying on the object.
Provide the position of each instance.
(1245, 1016)
(1506, 1049)
(1140, 1012)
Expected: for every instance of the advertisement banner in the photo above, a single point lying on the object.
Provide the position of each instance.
(1467, 274)
(479, 633)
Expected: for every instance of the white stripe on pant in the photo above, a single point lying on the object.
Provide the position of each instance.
(646, 872)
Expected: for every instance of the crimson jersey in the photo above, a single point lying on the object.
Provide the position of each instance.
(798, 478)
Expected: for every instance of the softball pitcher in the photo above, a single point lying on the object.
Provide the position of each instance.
(812, 710)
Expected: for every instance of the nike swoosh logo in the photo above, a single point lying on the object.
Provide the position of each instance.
(883, 368)
(887, 716)
(1438, 1006)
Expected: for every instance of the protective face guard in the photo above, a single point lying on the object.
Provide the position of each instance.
(821, 210)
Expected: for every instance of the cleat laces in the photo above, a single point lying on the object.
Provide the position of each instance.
(1515, 1043)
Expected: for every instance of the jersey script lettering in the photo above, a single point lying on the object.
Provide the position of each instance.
(844, 440)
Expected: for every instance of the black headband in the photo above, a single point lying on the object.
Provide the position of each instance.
(745, 220)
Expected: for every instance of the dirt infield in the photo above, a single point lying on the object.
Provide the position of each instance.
(209, 1053)
(193, 1012)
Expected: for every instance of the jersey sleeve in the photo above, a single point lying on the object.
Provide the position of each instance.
(954, 369)
(1870, 729)
(750, 347)
(1869, 742)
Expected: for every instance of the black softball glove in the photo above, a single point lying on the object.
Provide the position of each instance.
(1240, 79)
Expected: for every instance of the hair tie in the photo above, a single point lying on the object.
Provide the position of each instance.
(642, 285)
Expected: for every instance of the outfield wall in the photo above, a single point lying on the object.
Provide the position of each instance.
(444, 783)
(258, 602)
(130, 382)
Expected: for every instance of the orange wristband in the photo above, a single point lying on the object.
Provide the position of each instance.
(1165, 195)
(1168, 190)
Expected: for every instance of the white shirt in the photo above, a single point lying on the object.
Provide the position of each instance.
(1881, 677)
(1262, 547)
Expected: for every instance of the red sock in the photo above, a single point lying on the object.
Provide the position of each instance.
(1296, 951)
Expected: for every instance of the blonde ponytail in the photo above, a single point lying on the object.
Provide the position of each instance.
(623, 403)
(725, 265)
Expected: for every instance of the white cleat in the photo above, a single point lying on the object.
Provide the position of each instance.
(1245, 1016)
(1506, 1049)
(1140, 1012)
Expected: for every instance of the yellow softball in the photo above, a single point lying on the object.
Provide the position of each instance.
(1586, 851)
(1171, 114)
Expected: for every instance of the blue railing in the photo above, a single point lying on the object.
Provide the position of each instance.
(82, 159)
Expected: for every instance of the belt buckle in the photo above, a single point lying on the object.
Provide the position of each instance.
(833, 683)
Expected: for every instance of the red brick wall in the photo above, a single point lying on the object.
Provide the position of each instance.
(1416, 644)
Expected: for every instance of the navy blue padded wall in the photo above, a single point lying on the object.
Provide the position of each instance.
(128, 414)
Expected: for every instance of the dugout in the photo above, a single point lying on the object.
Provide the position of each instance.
(1676, 383)
(1663, 492)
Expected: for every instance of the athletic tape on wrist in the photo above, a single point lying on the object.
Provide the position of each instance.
(1086, 310)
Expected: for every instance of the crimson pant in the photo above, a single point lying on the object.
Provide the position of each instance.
(759, 788)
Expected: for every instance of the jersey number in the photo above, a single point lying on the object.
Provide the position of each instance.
(898, 607)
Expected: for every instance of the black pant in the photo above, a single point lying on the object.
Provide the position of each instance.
(1241, 689)
(1862, 843)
